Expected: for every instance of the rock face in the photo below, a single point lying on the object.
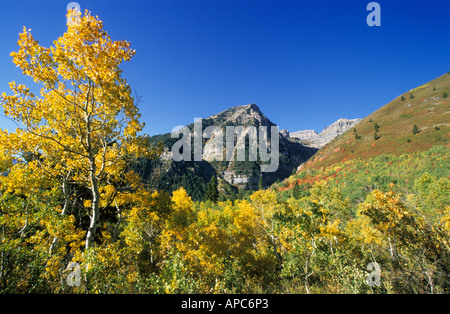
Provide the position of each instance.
(248, 115)
(232, 173)
(304, 135)
(285, 133)
(311, 139)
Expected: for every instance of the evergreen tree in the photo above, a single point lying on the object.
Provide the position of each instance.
(260, 183)
(212, 191)
(295, 192)
(376, 127)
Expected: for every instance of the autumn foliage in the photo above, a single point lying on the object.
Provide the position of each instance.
(69, 194)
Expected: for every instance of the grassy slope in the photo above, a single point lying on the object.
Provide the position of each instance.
(356, 178)
(427, 110)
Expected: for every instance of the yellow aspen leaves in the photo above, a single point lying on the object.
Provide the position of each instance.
(84, 125)
(385, 209)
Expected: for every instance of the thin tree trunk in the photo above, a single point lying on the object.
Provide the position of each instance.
(95, 209)
(307, 275)
(94, 181)
(393, 250)
(65, 188)
(430, 281)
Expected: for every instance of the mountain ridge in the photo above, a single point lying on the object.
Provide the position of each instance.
(232, 174)
(311, 138)
(390, 129)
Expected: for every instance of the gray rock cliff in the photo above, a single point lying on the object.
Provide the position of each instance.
(310, 138)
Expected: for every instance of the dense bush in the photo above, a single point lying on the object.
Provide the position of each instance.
(314, 233)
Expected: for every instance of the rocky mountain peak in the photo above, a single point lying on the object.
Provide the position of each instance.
(341, 125)
(304, 135)
(232, 173)
(252, 107)
(312, 139)
(241, 115)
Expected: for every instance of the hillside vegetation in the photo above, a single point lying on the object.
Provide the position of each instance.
(77, 214)
(315, 233)
(390, 129)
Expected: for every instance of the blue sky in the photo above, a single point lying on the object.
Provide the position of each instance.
(304, 63)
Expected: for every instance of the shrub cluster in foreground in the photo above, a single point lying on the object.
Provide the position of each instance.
(314, 233)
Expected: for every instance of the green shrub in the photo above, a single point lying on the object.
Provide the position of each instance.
(376, 136)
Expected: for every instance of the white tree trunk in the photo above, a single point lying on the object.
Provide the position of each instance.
(95, 209)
